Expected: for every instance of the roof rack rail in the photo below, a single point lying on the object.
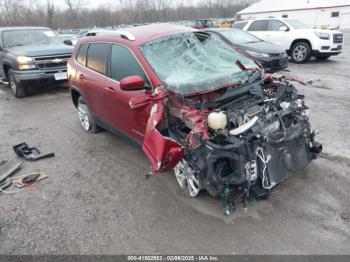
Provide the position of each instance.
(123, 34)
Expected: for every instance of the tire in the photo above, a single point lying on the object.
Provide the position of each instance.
(300, 52)
(87, 120)
(17, 88)
(322, 57)
(188, 179)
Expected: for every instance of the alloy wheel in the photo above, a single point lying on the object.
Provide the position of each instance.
(187, 178)
(84, 115)
(13, 85)
(299, 53)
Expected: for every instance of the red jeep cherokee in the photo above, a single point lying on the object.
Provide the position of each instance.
(196, 106)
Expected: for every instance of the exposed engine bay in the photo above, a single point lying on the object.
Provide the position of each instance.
(244, 141)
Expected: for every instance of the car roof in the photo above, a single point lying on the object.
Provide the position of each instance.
(148, 33)
(22, 28)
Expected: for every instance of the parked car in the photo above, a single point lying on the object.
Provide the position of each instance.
(300, 41)
(203, 23)
(221, 125)
(69, 39)
(32, 54)
(271, 56)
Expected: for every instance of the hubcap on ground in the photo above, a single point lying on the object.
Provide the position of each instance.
(299, 53)
(187, 178)
(84, 115)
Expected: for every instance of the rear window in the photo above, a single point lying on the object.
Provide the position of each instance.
(239, 25)
(261, 25)
(81, 55)
(97, 56)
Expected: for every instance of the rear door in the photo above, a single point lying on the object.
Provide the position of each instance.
(259, 28)
(92, 78)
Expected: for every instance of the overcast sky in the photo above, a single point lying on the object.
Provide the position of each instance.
(87, 3)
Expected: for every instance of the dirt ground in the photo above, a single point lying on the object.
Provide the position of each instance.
(97, 200)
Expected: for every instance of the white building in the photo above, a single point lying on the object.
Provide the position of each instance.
(316, 13)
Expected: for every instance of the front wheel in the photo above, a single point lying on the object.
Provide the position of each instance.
(300, 52)
(87, 120)
(17, 88)
(187, 178)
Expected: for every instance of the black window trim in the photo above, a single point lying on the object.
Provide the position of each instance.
(143, 69)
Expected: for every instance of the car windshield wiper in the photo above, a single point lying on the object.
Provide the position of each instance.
(252, 42)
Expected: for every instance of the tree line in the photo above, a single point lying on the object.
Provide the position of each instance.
(77, 14)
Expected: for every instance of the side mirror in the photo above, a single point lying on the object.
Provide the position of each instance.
(283, 28)
(132, 83)
(1, 49)
(68, 42)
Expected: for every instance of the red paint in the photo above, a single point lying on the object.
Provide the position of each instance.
(132, 83)
(140, 114)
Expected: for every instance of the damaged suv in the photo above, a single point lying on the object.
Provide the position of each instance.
(196, 106)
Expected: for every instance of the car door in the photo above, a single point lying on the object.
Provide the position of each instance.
(276, 35)
(92, 77)
(259, 28)
(119, 114)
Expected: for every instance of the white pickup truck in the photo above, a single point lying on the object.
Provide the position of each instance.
(300, 41)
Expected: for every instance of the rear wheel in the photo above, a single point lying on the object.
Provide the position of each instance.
(300, 52)
(18, 90)
(87, 120)
(187, 178)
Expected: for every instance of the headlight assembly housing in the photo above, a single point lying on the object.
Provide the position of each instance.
(323, 36)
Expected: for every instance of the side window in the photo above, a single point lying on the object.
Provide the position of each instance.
(239, 25)
(275, 25)
(123, 64)
(261, 25)
(81, 55)
(97, 55)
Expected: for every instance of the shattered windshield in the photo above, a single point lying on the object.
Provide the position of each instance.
(193, 62)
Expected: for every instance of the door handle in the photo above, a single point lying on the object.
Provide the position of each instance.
(81, 77)
(110, 89)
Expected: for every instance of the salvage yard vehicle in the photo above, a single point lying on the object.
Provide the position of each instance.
(196, 106)
(271, 56)
(32, 55)
(300, 41)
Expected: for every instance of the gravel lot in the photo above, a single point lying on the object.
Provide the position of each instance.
(97, 200)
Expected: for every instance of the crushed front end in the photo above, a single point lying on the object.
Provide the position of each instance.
(243, 142)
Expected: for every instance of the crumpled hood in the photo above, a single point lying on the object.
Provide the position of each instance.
(42, 50)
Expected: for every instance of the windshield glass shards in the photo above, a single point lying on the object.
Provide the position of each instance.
(30, 37)
(193, 62)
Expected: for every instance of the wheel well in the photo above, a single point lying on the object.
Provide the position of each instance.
(75, 96)
(6, 70)
(297, 41)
